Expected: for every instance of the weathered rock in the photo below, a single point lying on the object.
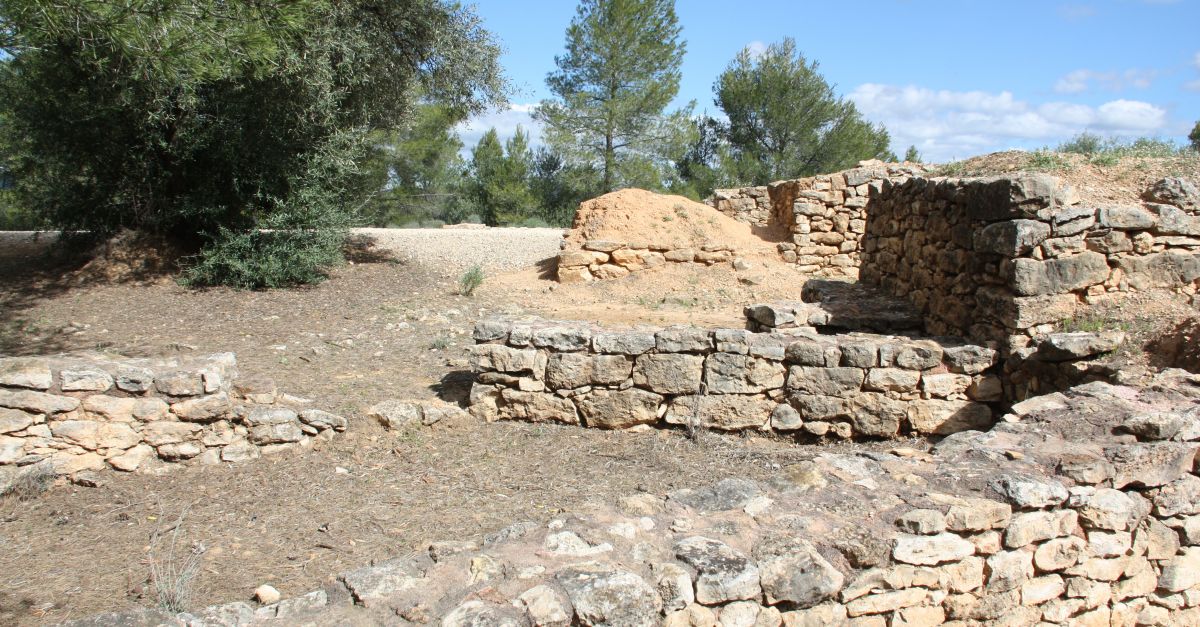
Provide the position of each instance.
(1012, 238)
(1178, 498)
(721, 411)
(1149, 465)
(1056, 276)
(1026, 529)
(396, 414)
(1126, 218)
(574, 370)
(946, 417)
(542, 407)
(499, 358)
(741, 374)
(875, 415)
(280, 433)
(609, 409)
(606, 595)
(1029, 492)
(683, 340)
(1078, 345)
(37, 402)
(85, 380)
(844, 382)
(204, 408)
(1160, 425)
(623, 342)
(931, 550)
(323, 420)
(1167, 269)
(970, 359)
(792, 571)
(1182, 571)
(978, 515)
(1106, 508)
(25, 373)
(669, 373)
(891, 380)
(546, 607)
(12, 420)
(373, 585)
(724, 573)
(725, 495)
(1059, 553)
(924, 522)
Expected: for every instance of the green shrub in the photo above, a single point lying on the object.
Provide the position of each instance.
(1046, 161)
(266, 259)
(470, 281)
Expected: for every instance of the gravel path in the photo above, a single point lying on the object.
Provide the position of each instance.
(455, 250)
(451, 250)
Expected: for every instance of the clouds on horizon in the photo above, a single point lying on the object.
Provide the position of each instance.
(505, 121)
(946, 124)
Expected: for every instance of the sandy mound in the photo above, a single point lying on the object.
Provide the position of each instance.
(132, 256)
(639, 216)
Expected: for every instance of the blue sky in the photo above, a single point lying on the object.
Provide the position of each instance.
(955, 78)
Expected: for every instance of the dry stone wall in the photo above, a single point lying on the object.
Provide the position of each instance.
(751, 205)
(89, 412)
(1081, 509)
(1006, 259)
(604, 259)
(798, 382)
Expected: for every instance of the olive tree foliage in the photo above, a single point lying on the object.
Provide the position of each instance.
(237, 124)
(620, 70)
(1194, 137)
(786, 121)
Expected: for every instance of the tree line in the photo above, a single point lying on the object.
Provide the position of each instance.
(607, 127)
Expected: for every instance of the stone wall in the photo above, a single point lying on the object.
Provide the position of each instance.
(798, 382)
(823, 217)
(90, 412)
(1007, 258)
(603, 259)
(751, 205)
(1081, 509)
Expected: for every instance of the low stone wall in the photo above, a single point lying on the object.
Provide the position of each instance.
(602, 259)
(751, 205)
(90, 412)
(1006, 258)
(847, 386)
(1082, 509)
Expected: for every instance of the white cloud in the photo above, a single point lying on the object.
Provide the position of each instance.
(505, 121)
(1196, 61)
(947, 124)
(1080, 80)
(756, 49)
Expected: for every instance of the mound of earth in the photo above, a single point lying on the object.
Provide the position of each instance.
(1096, 179)
(636, 215)
(132, 256)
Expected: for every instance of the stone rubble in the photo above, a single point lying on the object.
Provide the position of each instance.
(994, 527)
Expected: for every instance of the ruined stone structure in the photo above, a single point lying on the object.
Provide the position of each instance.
(1046, 519)
(88, 412)
(604, 259)
(853, 385)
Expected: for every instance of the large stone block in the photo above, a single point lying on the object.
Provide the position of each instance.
(947, 417)
(875, 415)
(1032, 277)
(536, 407)
(1012, 238)
(25, 373)
(721, 411)
(825, 381)
(623, 342)
(727, 373)
(1167, 269)
(1024, 312)
(992, 200)
(683, 340)
(575, 370)
(499, 358)
(669, 373)
(610, 409)
(1126, 218)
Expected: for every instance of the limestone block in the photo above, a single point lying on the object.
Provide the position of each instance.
(1012, 238)
(1126, 218)
(844, 382)
(25, 373)
(574, 370)
(725, 412)
(609, 409)
(1056, 276)
(940, 417)
(623, 342)
(669, 373)
(536, 407)
(727, 373)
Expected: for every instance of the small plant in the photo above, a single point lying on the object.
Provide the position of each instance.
(954, 168)
(173, 567)
(30, 484)
(470, 281)
(440, 343)
(1047, 161)
(1091, 324)
(667, 218)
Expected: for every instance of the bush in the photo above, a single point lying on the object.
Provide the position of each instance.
(470, 281)
(1084, 143)
(266, 259)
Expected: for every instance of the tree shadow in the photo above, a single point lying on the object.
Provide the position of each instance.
(547, 268)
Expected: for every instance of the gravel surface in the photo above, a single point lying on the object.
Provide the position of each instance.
(450, 250)
(456, 250)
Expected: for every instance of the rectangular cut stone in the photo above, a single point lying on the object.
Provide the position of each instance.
(724, 412)
(669, 373)
(825, 381)
(727, 373)
(623, 342)
(612, 409)
(1056, 276)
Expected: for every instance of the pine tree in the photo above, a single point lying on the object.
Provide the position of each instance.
(499, 184)
(1194, 137)
(911, 155)
(786, 121)
(620, 70)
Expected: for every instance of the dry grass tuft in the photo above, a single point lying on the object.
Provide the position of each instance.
(31, 483)
(173, 566)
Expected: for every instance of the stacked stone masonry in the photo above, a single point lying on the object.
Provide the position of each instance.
(603, 259)
(1007, 258)
(793, 381)
(751, 205)
(89, 412)
(1048, 519)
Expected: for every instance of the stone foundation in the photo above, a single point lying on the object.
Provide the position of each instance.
(92, 412)
(797, 382)
(1080, 509)
(602, 259)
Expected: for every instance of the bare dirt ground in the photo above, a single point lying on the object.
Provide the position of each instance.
(374, 331)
